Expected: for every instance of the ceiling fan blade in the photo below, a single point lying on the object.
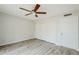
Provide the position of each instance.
(25, 9)
(28, 14)
(41, 12)
(36, 7)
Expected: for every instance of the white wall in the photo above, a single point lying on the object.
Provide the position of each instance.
(14, 29)
(48, 30)
(78, 31)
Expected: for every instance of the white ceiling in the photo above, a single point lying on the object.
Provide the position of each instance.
(51, 9)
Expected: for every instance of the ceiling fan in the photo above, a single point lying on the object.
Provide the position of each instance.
(34, 11)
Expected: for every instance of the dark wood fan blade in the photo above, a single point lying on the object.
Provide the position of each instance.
(41, 12)
(25, 9)
(36, 7)
(28, 14)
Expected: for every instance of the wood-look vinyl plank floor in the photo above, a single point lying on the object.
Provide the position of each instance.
(36, 47)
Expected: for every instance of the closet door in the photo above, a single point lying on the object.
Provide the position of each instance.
(67, 32)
